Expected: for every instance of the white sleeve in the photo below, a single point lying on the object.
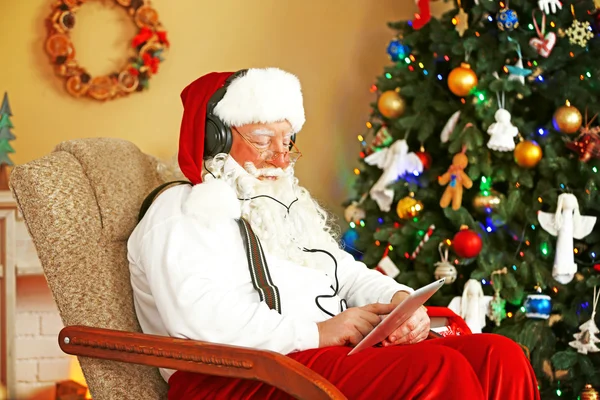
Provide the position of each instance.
(195, 300)
(360, 285)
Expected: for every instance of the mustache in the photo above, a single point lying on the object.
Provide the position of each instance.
(263, 172)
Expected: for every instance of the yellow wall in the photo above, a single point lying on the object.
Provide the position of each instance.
(336, 47)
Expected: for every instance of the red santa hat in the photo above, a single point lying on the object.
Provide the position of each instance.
(258, 96)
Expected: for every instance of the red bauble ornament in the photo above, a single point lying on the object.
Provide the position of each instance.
(467, 243)
(597, 267)
(425, 159)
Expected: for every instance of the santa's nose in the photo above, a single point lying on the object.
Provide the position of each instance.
(280, 160)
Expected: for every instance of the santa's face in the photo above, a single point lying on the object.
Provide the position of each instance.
(265, 146)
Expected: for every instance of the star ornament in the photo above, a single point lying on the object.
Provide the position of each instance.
(461, 21)
(579, 33)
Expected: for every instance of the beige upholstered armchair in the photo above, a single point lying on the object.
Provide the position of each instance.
(80, 204)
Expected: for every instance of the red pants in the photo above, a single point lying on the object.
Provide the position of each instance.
(473, 367)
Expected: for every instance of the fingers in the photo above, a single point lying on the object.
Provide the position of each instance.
(363, 325)
(355, 337)
(406, 332)
(413, 330)
(371, 318)
(379, 308)
(421, 335)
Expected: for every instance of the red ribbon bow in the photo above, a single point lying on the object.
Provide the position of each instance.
(151, 62)
(142, 37)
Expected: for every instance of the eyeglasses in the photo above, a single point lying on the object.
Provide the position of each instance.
(292, 155)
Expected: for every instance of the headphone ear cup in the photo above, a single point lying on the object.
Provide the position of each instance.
(217, 137)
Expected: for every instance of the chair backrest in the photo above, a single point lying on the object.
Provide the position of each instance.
(80, 204)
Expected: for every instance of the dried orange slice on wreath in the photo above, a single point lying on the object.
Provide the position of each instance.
(148, 48)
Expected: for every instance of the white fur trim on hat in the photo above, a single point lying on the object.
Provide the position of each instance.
(212, 200)
(263, 96)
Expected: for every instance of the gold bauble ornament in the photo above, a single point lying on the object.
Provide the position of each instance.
(391, 104)
(589, 393)
(409, 207)
(528, 153)
(489, 200)
(462, 80)
(567, 119)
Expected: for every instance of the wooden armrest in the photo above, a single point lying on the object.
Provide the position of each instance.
(202, 357)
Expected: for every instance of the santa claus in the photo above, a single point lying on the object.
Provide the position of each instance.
(244, 256)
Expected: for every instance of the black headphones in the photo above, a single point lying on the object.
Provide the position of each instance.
(218, 137)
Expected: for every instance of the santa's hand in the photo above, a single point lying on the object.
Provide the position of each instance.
(413, 330)
(549, 6)
(352, 325)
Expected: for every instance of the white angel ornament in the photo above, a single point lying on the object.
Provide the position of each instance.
(502, 132)
(549, 6)
(566, 224)
(472, 306)
(395, 162)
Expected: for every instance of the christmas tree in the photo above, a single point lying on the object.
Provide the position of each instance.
(479, 163)
(5, 136)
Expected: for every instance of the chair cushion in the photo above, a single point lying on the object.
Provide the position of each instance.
(80, 204)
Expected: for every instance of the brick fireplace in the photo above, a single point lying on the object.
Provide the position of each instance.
(31, 362)
(40, 363)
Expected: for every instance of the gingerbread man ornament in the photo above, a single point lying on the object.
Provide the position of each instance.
(456, 179)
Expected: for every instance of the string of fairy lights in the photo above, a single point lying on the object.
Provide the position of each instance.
(405, 58)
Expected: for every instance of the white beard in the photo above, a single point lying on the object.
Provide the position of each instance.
(282, 234)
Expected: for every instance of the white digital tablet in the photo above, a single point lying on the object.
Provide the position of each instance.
(397, 317)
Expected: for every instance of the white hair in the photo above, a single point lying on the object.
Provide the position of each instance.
(283, 214)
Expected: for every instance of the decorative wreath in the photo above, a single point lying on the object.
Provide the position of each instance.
(149, 45)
